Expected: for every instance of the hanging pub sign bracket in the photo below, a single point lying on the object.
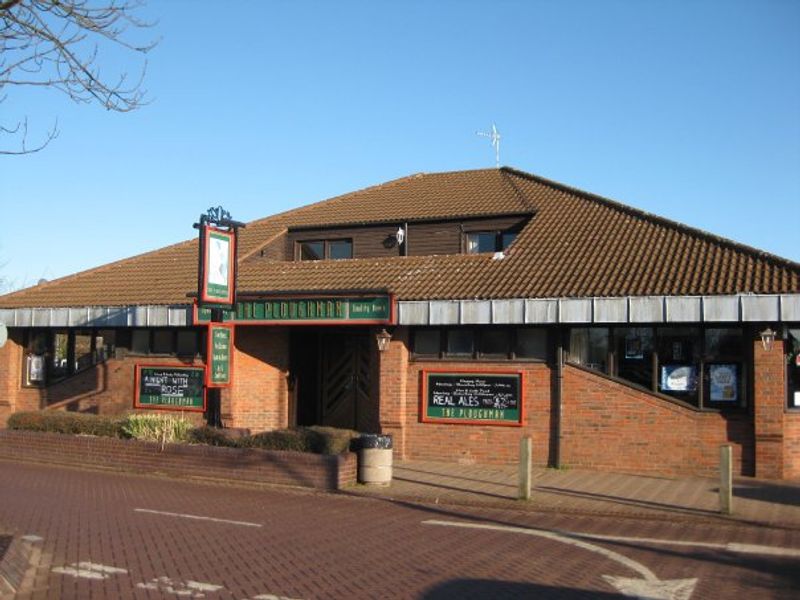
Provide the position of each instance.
(217, 259)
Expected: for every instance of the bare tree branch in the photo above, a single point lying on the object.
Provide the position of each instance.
(62, 44)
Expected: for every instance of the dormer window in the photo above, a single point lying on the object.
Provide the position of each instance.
(325, 249)
(488, 241)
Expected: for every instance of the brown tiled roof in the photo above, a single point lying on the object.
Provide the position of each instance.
(576, 245)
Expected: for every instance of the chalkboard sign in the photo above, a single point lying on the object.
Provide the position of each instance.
(170, 387)
(472, 397)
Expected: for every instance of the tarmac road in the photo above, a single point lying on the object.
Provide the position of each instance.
(110, 535)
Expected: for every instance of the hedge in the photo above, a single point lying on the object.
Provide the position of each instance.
(317, 439)
(65, 422)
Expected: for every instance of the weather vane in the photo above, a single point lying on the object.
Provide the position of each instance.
(495, 137)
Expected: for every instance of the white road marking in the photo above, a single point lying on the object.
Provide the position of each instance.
(272, 597)
(650, 586)
(188, 588)
(730, 546)
(89, 570)
(202, 587)
(196, 517)
(32, 538)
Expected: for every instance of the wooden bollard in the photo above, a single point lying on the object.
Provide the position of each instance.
(726, 479)
(525, 454)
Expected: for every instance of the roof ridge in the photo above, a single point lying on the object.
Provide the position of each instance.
(657, 219)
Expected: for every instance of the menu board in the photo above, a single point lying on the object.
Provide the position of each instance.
(472, 397)
(170, 387)
(723, 382)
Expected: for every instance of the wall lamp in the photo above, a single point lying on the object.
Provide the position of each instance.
(767, 338)
(383, 338)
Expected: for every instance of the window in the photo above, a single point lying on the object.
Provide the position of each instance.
(493, 343)
(531, 343)
(634, 354)
(460, 342)
(163, 341)
(140, 341)
(340, 249)
(52, 355)
(704, 367)
(588, 346)
(489, 343)
(488, 241)
(793, 367)
(325, 249)
(427, 342)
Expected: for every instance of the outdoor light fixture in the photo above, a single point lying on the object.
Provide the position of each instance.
(767, 338)
(400, 235)
(383, 337)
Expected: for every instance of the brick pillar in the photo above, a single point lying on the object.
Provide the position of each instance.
(393, 371)
(768, 409)
(10, 374)
(258, 400)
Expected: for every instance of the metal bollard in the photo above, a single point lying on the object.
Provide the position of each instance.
(726, 479)
(525, 453)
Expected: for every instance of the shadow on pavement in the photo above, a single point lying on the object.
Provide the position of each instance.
(777, 493)
(481, 589)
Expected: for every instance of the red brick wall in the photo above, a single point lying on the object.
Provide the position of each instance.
(182, 460)
(769, 407)
(605, 424)
(469, 444)
(106, 388)
(791, 445)
(609, 425)
(258, 400)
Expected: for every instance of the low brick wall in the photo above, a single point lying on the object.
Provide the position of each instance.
(182, 460)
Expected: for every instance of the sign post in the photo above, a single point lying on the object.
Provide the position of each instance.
(216, 290)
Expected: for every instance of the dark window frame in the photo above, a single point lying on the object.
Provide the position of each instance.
(499, 239)
(326, 248)
(702, 359)
(477, 354)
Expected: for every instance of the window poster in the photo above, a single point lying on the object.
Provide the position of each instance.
(633, 348)
(35, 368)
(724, 383)
(678, 378)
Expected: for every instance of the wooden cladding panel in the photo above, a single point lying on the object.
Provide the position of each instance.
(368, 242)
(423, 239)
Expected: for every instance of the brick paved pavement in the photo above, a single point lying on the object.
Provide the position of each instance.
(296, 544)
(755, 501)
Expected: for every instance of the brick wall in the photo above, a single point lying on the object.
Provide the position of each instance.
(182, 460)
(106, 388)
(769, 407)
(470, 443)
(791, 445)
(609, 425)
(258, 400)
(605, 424)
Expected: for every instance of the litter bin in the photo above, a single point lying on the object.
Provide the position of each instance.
(375, 459)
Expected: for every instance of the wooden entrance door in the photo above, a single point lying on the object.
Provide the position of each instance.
(345, 378)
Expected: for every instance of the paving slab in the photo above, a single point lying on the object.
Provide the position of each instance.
(755, 501)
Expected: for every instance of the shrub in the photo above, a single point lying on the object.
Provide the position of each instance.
(67, 422)
(210, 436)
(282, 439)
(162, 428)
(330, 440)
(317, 439)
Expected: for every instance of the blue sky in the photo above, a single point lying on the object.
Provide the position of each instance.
(690, 110)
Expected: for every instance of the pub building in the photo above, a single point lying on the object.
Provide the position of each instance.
(458, 312)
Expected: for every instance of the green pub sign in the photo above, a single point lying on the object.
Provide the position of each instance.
(169, 387)
(333, 309)
(472, 397)
(220, 344)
